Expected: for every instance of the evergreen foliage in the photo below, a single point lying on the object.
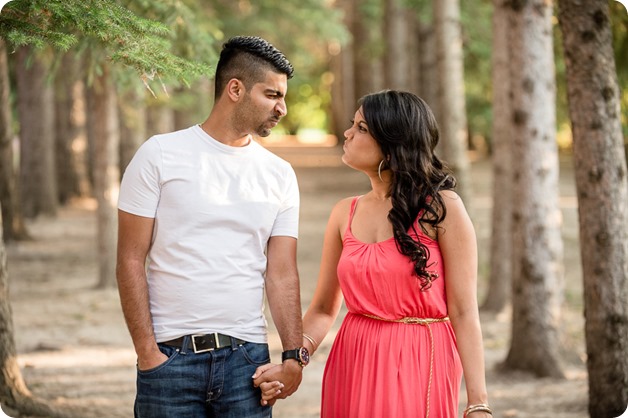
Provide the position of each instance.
(619, 26)
(304, 36)
(137, 42)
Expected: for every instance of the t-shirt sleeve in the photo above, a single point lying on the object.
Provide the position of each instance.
(287, 222)
(141, 183)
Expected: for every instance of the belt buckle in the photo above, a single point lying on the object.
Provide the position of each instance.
(204, 350)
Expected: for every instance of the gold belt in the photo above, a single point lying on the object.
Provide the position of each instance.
(425, 322)
(409, 319)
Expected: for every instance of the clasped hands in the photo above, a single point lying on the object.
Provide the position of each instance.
(278, 381)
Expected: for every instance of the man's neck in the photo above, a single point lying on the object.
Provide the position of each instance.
(224, 135)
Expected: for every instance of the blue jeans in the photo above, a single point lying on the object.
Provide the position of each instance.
(214, 384)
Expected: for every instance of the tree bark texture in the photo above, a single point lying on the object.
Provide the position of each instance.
(364, 56)
(35, 99)
(536, 217)
(602, 187)
(13, 226)
(396, 55)
(499, 287)
(343, 86)
(428, 81)
(90, 119)
(106, 173)
(71, 135)
(159, 117)
(132, 124)
(14, 394)
(453, 118)
(414, 51)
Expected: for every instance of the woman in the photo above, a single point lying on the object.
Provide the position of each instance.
(404, 257)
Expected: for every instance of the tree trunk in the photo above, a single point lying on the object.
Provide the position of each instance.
(36, 114)
(132, 110)
(13, 226)
(500, 281)
(71, 138)
(106, 172)
(428, 82)
(363, 55)
(600, 166)
(14, 395)
(414, 52)
(453, 118)
(199, 96)
(343, 103)
(396, 56)
(537, 245)
(90, 122)
(80, 141)
(159, 117)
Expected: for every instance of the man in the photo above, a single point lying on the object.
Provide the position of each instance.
(216, 216)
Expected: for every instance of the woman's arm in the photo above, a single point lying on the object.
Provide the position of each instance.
(327, 299)
(458, 245)
(325, 304)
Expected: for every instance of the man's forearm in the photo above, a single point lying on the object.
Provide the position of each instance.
(133, 290)
(284, 301)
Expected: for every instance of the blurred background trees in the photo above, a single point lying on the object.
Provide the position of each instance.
(84, 83)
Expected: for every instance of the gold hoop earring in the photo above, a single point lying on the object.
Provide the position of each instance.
(379, 171)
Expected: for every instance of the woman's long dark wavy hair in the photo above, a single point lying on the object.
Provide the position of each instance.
(405, 129)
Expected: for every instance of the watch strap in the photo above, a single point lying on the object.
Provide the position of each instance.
(300, 354)
(290, 354)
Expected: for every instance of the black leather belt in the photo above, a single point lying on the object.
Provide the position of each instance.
(201, 343)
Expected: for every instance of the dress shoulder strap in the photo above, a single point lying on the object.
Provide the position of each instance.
(354, 203)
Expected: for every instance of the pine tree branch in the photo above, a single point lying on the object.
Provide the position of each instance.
(142, 44)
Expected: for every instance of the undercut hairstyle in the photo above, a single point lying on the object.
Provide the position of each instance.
(405, 129)
(249, 58)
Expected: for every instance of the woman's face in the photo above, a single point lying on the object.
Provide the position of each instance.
(361, 151)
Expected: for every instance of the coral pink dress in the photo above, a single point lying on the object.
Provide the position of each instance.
(383, 369)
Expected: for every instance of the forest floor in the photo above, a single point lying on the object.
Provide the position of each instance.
(75, 351)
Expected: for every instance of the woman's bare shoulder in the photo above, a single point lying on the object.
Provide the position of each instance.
(340, 211)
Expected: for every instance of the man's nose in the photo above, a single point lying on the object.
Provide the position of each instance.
(281, 108)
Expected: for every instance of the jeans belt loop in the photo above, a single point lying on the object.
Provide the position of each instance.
(235, 344)
(184, 346)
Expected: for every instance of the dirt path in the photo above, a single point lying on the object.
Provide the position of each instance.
(75, 350)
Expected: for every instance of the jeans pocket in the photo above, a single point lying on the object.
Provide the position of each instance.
(255, 354)
(171, 352)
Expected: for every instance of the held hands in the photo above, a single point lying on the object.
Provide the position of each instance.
(270, 390)
(278, 381)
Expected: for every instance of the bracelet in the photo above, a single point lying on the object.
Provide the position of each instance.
(310, 339)
(482, 407)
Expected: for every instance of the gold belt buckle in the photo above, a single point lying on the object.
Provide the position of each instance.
(204, 350)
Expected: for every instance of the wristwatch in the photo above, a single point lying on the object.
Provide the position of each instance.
(299, 354)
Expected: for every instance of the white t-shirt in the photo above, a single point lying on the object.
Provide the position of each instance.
(215, 207)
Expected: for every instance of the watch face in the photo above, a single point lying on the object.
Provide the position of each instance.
(304, 356)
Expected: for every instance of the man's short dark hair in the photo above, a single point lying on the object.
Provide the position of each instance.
(248, 58)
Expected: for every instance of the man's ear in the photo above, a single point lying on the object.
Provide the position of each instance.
(235, 89)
